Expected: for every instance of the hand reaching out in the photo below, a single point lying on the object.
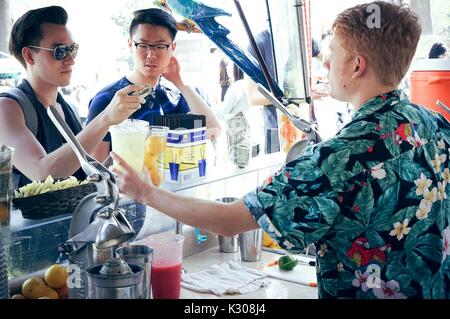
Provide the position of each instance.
(128, 180)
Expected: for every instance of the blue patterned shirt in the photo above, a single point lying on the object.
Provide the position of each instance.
(373, 200)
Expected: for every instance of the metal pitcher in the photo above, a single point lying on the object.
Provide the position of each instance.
(140, 255)
(228, 244)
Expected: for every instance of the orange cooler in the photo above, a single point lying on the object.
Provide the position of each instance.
(430, 81)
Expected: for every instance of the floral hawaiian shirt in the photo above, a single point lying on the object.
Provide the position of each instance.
(374, 200)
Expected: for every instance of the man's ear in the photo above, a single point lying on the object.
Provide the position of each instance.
(359, 66)
(174, 45)
(130, 44)
(27, 55)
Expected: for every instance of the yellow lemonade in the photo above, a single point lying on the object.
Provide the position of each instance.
(129, 140)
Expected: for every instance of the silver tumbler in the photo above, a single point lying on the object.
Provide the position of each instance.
(115, 280)
(140, 255)
(250, 243)
(228, 244)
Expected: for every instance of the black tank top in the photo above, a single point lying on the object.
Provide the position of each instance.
(47, 133)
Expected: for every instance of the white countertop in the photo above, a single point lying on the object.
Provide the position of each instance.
(277, 289)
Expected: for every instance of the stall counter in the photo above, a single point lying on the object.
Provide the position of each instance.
(277, 289)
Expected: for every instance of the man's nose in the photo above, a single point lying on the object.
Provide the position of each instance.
(69, 59)
(151, 53)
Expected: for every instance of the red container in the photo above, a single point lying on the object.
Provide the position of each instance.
(166, 281)
(430, 81)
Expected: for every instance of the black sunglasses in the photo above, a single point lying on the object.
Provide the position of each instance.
(60, 52)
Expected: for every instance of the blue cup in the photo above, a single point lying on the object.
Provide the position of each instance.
(174, 169)
(202, 167)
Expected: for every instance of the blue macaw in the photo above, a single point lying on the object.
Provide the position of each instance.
(204, 16)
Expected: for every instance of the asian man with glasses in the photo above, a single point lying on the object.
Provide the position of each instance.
(44, 46)
(152, 44)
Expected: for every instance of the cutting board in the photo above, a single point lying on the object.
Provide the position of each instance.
(301, 274)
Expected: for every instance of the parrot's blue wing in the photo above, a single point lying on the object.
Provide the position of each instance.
(204, 17)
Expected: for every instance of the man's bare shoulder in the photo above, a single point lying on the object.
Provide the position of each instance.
(11, 111)
(5, 101)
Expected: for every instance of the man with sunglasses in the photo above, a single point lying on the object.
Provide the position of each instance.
(44, 46)
(152, 43)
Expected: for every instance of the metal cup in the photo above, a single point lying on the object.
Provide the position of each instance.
(115, 280)
(251, 244)
(228, 244)
(140, 255)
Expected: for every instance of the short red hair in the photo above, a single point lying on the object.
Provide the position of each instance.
(388, 47)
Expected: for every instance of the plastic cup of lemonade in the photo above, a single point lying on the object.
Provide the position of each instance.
(166, 264)
(128, 140)
(154, 157)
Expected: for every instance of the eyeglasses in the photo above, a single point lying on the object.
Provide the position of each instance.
(60, 52)
(156, 48)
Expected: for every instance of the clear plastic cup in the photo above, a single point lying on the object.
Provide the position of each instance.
(128, 140)
(166, 264)
(154, 157)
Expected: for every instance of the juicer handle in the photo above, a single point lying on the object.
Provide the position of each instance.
(105, 180)
(443, 106)
(68, 135)
(309, 129)
(299, 123)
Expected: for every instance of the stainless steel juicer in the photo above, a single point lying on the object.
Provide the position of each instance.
(98, 225)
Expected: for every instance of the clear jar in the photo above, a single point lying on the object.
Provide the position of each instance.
(239, 140)
(154, 156)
